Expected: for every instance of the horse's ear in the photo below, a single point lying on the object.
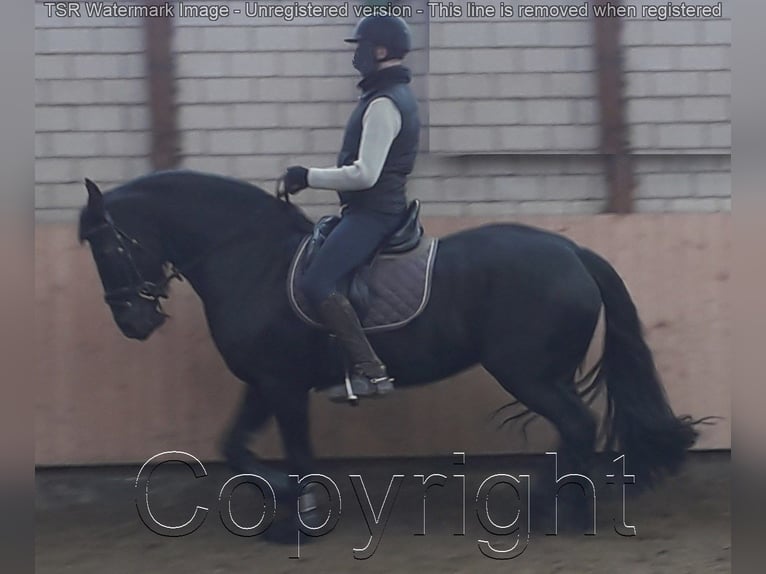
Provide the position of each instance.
(95, 198)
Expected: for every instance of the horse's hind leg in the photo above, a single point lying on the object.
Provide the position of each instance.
(553, 395)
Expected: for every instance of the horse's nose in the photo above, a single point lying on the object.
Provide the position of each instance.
(132, 331)
(130, 324)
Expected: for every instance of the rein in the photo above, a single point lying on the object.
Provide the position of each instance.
(280, 191)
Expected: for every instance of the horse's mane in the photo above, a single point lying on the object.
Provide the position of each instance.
(238, 197)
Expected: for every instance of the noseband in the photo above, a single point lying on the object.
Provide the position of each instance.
(139, 286)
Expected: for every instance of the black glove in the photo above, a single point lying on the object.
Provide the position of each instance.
(295, 179)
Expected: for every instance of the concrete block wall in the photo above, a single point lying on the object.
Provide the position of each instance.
(510, 107)
(91, 117)
(679, 83)
(503, 85)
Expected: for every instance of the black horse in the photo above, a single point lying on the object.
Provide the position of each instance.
(520, 301)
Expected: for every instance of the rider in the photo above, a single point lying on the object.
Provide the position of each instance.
(378, 152)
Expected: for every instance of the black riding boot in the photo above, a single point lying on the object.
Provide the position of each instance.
(368, 374)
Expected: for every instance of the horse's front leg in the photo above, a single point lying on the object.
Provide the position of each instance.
(291, 407)
(292, 413)
(254, 411)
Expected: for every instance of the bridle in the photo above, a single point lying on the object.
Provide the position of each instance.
(142, 287)
(139, 286)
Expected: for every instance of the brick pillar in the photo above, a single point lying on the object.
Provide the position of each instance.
(614, 130)
(165, 147)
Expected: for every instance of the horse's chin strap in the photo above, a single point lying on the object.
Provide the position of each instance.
(147, 290)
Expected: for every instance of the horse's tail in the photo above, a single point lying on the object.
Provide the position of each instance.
(653, 439)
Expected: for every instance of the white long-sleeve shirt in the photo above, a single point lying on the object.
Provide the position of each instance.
(381, 123)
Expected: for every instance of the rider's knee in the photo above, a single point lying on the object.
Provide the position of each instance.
(314, 289)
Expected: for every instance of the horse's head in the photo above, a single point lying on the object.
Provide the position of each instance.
(129, 264)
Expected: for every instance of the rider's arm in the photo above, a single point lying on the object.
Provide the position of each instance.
(380, 125)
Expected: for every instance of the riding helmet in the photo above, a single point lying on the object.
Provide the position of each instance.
(388, 31)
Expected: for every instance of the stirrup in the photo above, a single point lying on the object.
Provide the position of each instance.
(379, 386)
(383, 385)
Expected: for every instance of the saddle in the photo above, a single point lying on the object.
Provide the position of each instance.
(406, 237)
(387, 292)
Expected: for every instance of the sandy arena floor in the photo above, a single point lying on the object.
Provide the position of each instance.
(87, 523)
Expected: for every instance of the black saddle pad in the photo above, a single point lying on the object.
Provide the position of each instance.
(388, 293)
